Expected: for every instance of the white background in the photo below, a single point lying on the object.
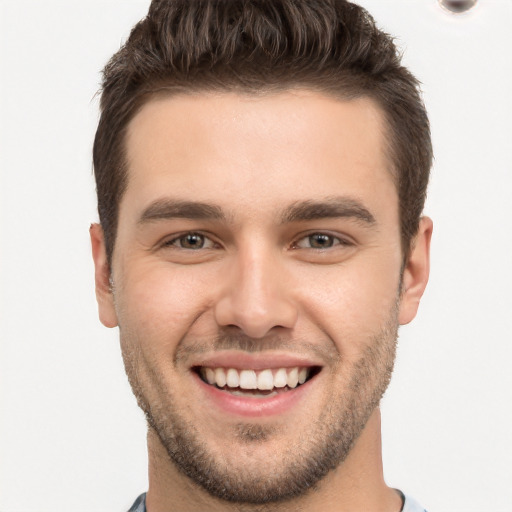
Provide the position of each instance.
(71, 436)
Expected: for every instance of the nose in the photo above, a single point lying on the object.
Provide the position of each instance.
(256, 296)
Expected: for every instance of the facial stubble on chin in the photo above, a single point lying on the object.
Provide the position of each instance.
(319, 450)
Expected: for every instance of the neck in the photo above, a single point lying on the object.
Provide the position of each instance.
(357, 484)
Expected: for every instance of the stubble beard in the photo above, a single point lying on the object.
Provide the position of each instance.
(322, 449)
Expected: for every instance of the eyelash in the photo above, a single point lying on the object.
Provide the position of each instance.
(173, 242)
(335, 241)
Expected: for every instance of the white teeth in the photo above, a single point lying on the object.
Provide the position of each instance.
(210, 376)
(232, 379)
(280, 378)
(293, 378)
(264, 380)
(220, 377)
(248, 379)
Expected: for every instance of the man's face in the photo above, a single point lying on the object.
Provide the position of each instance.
(258, 243)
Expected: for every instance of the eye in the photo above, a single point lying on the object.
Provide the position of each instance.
(320, 241)
(191, 241)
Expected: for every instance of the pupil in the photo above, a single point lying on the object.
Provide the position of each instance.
(192, 241)
(320, 241)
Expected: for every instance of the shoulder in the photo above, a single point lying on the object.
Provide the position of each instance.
(139, 505)
(411, 505)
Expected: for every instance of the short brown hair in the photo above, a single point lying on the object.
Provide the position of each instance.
(331, 46)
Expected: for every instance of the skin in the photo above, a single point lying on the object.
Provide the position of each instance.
(261, 286)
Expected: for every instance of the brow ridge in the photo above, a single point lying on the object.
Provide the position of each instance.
(162, 209)
(331, 207)
(298, 211)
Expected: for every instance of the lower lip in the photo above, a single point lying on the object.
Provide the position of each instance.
(255, 406)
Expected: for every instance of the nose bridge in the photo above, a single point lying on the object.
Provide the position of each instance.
(257, 275)
(256, 298)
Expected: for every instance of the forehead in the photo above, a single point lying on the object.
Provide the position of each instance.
(255, 150)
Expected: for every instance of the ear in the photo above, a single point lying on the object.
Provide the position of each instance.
(104, 295)
(416, 272)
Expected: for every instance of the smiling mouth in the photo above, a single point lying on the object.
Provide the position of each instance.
(256, 383)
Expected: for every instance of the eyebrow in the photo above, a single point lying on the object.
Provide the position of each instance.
(331, 207)
(299, 211)
(174, 209)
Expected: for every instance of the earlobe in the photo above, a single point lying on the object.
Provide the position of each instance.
(104, 295)
(416, 272)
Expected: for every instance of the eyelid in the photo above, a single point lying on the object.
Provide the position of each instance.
(342, 240)
(171, 240)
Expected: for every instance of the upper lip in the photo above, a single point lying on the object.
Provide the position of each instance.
(255, 361)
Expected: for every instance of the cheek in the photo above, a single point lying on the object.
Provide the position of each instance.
(353, 304)
(159, 303)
